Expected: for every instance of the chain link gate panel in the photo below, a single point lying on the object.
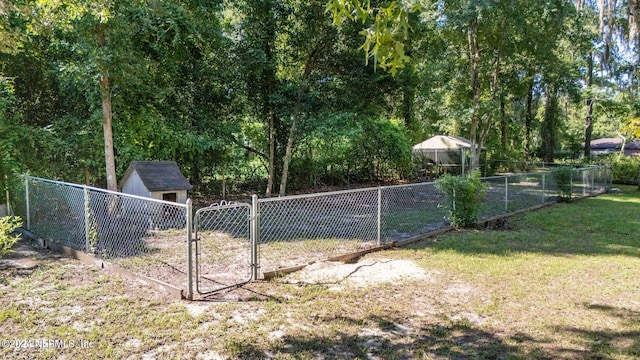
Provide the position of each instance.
(223, 247)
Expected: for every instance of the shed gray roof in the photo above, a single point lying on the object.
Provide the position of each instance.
(158, 175)
(614, 144)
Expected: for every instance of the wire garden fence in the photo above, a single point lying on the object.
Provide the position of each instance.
(224, 246)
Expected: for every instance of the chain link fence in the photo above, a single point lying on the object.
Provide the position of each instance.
(296, 230)
(233, 242)
(223, 247)
(143, 235)
(409, 210)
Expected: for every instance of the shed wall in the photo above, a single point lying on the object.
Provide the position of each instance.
(135, 186)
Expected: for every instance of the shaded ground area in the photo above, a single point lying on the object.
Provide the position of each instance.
(25, 257)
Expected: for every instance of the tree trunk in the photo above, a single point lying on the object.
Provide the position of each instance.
(474, 55)
(224, 181)
(105, 92)
(107, 128)
(528, 120)
(408, 113)
(310, 64)
(272, 155)
(287, 156)
(503, 126)
(588, 122)
(549, 126)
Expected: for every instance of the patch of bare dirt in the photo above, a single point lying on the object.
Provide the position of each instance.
(24, 258)
(365, 273)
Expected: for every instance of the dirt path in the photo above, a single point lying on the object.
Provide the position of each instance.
(25, 257)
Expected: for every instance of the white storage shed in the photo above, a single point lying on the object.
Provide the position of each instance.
(161, 180)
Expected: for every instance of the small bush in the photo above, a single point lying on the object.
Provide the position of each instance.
(463, 195)
(563, 177)
(626, 169)
(8, 225)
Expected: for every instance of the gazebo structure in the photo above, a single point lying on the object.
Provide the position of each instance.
(442, 153)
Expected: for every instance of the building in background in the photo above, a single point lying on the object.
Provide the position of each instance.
(161, 180)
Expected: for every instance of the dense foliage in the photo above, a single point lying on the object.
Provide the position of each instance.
(463, 196)
(8, 225)
(626, 170)
(563, 177)
(274, 96)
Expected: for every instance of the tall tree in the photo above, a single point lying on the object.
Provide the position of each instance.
(90, 25)
(487, 34)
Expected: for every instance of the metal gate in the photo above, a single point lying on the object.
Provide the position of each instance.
(225, 252)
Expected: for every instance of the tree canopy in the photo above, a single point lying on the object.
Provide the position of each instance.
(276, 96)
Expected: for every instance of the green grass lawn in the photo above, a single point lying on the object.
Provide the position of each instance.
(561, 283)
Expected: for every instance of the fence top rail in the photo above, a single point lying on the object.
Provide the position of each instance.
(496, 177)
(432, 183)
(376, 188)
(80, 186)
(328, 193)
(544, 172)
(222, 207)
(294, 197)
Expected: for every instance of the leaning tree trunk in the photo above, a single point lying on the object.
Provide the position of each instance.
(107, 128)
(112, 182)
(287, 157)
(308, 67)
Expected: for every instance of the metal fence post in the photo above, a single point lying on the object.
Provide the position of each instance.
(26, 200)
(610, 176)
(454, 200)
(544, 186)
(571, 184)
(87, 221)
(506, 194)
(9, 210)
(189, 250)
(379, 213)
(254, 236)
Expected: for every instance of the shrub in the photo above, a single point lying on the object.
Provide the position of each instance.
(625, 168)
(563, 177)
(8, 225)
(463, 197)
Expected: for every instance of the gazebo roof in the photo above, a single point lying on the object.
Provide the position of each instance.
(444, 142)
